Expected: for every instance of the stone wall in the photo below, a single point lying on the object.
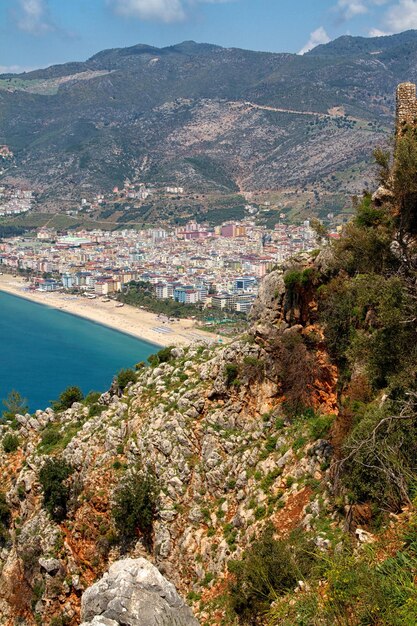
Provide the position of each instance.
(406, 106)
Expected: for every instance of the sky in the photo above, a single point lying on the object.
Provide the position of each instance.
(39, 33)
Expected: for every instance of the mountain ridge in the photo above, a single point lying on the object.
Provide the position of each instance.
(81, 128)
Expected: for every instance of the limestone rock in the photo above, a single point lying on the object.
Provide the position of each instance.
(134, 593)
(267, 307)
(52, 566)
(101, 621)
(382, 195)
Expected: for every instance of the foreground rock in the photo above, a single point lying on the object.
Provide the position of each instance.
(134, 593)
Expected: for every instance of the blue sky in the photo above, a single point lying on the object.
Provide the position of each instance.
(38, 33)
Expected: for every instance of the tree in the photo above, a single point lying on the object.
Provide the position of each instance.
(5, 519)
(67, 398)
(135, 506)
(321, 231)
(124, 377)
(56, 492)
(405, 180)
(15, 405)
(383, 161)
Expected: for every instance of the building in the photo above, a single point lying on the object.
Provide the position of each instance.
(220, 301)
(406, 114)
(233, 230)
(245, 283)
(164, 290)
(243, 303)
(68, 281)
(48, 284)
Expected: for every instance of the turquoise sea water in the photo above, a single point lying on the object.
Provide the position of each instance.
(44, 350)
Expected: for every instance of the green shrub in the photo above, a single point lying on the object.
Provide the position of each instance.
(364, 321)
(270, 478)
(260, 512)
(296, 368)
(373, 594)
(231, 373)
(271, 443)
(253, 368)
(380, 455)
(362, 588)
(124, 377)
(163, 356)
(208, 577)
(10, 443)
(67, 398)
(134, 507)
(56, 492)
(268, 569)
(50, 437)
(366, 244)
(320, 425)
(92, 398)
(56, 437)
(95, 409)
(5, 519)
(153, 360)
(298, 278)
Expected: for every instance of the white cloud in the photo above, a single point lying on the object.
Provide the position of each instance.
(351, 8)
(376, 32)
(317, 37)
(402, 16)
(33, 17)
(161, 10)
(14, 69)
(158, 10)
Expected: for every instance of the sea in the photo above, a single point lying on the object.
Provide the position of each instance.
(44, 350)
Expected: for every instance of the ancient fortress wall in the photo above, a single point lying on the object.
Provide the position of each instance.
(406, 106)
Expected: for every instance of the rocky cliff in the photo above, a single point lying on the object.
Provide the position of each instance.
(211, 424)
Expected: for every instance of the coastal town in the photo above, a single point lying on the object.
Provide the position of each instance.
(218, 267)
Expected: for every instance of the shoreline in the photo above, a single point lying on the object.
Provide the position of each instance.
(130, 320)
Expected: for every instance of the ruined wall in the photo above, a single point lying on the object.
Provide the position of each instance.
(406, 106)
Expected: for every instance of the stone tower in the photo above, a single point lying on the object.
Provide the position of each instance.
(406, 106)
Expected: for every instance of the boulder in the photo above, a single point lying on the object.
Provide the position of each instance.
(382, 195)
(134, 593)
(101, 621)
(52, 566)
(267, 308)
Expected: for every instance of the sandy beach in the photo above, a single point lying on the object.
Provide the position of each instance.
(126, 319)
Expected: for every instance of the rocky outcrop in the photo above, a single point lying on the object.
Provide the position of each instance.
(210, 424)
(134, 593)
(268, 305)
(382, 196)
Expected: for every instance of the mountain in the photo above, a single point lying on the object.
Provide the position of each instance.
(207, 118)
